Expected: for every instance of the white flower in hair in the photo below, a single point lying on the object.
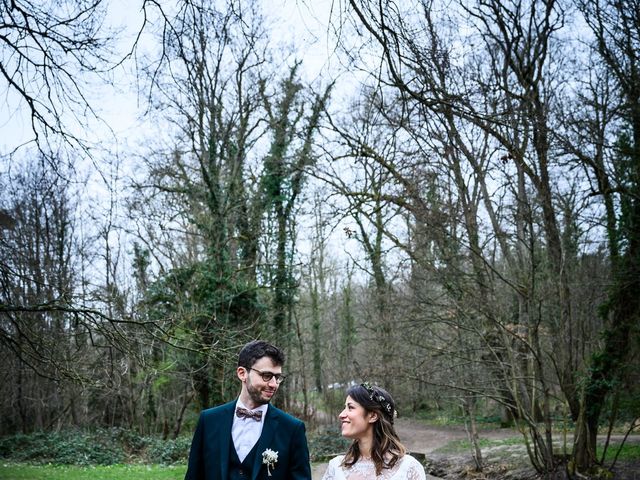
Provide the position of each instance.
(377, 397)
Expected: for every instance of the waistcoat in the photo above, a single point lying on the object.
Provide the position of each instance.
(241, 470)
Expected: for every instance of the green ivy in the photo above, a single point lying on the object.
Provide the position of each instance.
(99, 447)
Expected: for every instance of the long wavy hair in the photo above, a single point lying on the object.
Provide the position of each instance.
(386, 448)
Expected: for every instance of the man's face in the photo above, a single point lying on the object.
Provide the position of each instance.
(255, 391)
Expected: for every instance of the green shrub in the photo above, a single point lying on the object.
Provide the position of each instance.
(65, 448)
(168, 452)
(99, 447)
(326, 441)
(132, 442)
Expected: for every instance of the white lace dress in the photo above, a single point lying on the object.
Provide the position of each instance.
(407, 468)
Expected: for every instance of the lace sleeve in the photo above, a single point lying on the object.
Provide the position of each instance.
(330, 472)
(416, 471)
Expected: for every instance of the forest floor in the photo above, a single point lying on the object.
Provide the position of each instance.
(506, 461)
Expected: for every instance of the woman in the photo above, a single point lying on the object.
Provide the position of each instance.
(376, 451)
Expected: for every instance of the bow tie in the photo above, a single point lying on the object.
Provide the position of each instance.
(244, 413)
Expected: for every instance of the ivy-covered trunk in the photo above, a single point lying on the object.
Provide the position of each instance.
(616, 26)
(621, 312)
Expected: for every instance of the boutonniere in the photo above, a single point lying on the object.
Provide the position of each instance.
(269, 458)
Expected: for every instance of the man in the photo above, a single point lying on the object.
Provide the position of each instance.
(249, 439)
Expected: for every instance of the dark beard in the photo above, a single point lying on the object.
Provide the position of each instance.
(256, 395)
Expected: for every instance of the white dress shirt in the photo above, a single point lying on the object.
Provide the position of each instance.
(245, 432)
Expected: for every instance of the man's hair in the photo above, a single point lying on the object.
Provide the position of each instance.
(255, 350)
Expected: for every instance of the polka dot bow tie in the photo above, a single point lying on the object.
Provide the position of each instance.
(244, 413)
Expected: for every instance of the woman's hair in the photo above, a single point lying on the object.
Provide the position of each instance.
(386, 448)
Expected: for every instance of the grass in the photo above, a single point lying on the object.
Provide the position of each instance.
(448, 419)
(464, 446)
(17, 471)
(630, 451)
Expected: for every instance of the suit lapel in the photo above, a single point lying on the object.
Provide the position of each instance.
(225, 441)
(269, 428)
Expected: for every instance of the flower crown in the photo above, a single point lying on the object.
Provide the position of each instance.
(379, 399)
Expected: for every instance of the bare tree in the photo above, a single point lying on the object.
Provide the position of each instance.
(611, 155)
(38, 270)
(50, 52)
(468, 103)
(226, 184)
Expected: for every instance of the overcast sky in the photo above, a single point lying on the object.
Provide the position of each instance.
(119, 106)
(121, 129)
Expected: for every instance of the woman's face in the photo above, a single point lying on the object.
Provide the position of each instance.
(355, 421)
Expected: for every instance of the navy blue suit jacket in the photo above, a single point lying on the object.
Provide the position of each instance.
(209, 455)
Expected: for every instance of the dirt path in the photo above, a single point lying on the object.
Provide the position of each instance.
(421, 438)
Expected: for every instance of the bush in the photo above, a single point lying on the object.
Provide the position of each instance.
(327, 441)
(99, 447)
(66, 448)
(132, 442)
(117, 445)
(168, 452)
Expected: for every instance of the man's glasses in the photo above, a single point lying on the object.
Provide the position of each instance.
(267, 376)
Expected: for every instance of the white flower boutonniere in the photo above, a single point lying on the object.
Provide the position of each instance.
(269, 458)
